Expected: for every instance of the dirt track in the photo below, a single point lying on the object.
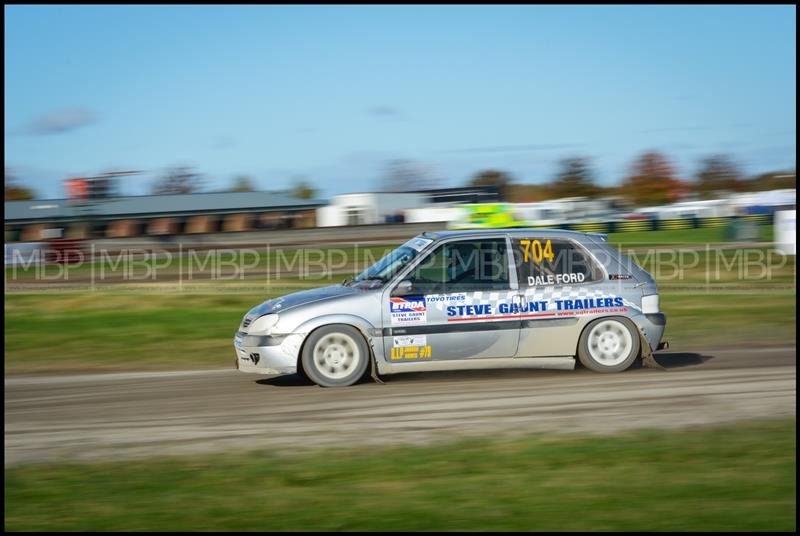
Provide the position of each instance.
(113, 416)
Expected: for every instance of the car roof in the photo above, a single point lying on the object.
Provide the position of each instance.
(515, 231)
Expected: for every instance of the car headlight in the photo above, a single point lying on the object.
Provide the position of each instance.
(650, 304)
(263, 324)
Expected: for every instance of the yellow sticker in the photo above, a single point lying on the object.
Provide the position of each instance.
(411, 352)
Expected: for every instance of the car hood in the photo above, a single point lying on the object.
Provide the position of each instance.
(304, 297)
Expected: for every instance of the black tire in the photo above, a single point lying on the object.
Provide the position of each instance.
(609, 344)
(335, 356)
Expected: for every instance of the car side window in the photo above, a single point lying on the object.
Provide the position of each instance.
(463, 266)
(547, 262)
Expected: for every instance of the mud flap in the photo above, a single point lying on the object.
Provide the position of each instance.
(373, 371)
(648, 360)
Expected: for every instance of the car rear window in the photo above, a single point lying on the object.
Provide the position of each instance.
(546, 262)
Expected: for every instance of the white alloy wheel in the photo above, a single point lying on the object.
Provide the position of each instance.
(609, 344)
(336, 356)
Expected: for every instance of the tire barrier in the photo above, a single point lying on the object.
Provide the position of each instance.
(64, 251)
(663, 225)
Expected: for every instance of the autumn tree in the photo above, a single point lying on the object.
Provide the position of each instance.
(15, 192)
(178, 180)
(242, 183)
(718, 173)
(574, 179)
(774, 180)
(651, 181)
(493, 177)
(302, 189)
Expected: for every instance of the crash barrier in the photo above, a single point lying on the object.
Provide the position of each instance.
(64, 251)
(209, 229)
(663, 225)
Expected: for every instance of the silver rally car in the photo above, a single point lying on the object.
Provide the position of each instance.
(509, 298)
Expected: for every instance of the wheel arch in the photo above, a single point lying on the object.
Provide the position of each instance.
(367, 330)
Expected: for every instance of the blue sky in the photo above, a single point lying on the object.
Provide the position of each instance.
(332, 93)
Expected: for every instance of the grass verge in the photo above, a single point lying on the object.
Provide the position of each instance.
(734, 478)
(703, 235)
(74, 332)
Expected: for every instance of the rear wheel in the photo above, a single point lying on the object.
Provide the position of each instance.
(609, 344)
(335, 356)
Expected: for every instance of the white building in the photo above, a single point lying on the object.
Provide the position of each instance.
(786, 231)
(368, 208)
(438, 212)
(567, 209)
(770, 198)
(711, 208)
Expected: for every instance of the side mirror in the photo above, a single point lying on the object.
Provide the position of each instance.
(403, 287)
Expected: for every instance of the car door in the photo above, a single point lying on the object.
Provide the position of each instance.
(560, 286)
(448, 305)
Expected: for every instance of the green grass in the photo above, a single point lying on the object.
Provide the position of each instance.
(104, 331)
(703, 235)
(682, 267)
(706, 321)
(71, 333)
(119, 331)
(733, 478)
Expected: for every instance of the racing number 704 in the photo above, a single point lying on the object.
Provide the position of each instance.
(534, 248)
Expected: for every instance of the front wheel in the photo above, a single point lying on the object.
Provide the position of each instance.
(335, 356)
(609, 344)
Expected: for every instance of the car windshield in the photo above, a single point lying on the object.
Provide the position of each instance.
(394, 261)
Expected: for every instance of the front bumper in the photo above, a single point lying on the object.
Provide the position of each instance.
(267, 354)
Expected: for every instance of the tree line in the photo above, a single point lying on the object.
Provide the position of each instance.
(652, 179)
(174, 180)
